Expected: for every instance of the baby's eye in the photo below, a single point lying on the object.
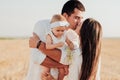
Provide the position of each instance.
(58, 30)
(62, 30)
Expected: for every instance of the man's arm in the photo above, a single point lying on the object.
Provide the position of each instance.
(48, 62)
(55, 54)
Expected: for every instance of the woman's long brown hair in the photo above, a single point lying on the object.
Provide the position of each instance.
(90, 36)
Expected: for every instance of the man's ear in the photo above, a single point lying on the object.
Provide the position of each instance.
(65, 15)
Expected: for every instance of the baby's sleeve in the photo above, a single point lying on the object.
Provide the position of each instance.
(73, 37)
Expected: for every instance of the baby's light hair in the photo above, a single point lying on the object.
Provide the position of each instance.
(57, 17)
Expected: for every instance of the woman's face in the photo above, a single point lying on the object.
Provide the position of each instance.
(75, 18)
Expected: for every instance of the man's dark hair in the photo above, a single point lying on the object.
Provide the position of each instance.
(70, 5)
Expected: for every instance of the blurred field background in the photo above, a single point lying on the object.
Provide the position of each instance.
(14, 59)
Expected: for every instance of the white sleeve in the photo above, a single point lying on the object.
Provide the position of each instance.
(41, 27)
(73, 37)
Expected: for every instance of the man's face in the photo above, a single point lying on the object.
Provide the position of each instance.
(75, 18)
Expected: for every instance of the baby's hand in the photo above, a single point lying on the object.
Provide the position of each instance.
(60, 44)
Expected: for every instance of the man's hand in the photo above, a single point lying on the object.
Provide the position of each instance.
(33, 41)
(48, 77)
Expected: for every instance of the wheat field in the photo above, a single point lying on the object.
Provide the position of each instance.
(14, 59)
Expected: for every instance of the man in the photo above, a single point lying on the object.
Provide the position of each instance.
(73, 12)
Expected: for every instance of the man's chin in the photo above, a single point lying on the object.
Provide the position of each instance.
(75, 27)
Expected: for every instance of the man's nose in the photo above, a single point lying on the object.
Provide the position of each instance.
(79, 20)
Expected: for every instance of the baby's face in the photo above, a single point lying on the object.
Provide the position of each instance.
(58, 31)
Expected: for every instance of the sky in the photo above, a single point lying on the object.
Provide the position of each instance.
(18, 17)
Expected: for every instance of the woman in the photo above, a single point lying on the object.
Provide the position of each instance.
(90, 33)
(90, 37)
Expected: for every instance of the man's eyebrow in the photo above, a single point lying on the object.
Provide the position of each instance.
(81, 17)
